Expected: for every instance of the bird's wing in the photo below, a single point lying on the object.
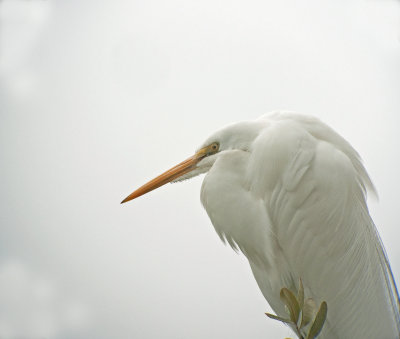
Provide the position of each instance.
(313, 185)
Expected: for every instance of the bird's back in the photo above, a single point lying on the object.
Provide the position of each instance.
(302, 213)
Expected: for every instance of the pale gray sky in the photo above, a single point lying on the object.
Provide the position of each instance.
(96, 97)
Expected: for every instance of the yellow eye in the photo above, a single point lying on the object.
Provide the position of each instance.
(208, 150)
(213, 148)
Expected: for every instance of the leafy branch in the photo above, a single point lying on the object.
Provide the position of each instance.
(302, 313)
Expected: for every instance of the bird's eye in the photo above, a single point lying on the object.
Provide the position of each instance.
(214, 147)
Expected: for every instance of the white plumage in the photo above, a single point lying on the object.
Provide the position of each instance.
(290, 193)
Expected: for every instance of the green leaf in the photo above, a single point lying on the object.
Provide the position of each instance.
(300, 294)
(275, 317)
(291, 303)
(308, 311)
(319, 321)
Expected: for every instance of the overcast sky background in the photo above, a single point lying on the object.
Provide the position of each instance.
(97, 97)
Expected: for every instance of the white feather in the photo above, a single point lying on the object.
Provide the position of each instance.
(290, 193)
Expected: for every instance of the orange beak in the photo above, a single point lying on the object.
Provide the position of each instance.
(173, 173)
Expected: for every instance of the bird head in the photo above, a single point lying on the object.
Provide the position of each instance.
(238, 136)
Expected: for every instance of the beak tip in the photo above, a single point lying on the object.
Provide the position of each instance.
(129, 197)
(124, 201)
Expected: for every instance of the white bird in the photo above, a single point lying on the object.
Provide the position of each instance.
(290, 193)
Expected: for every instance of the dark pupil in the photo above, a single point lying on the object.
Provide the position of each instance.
(214, 147)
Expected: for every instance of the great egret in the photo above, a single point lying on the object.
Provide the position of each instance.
(290, 193)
